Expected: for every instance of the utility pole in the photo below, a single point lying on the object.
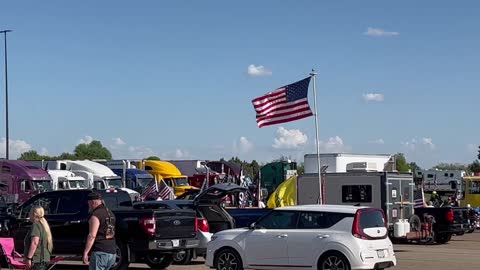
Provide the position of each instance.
(7, 143)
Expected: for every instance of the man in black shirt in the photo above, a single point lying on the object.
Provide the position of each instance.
(101, 237)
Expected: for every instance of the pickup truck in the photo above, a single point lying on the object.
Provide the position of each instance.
(448, 221)
(150, 236)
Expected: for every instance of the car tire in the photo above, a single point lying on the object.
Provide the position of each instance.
(121, 257)
(443, 238)
(159, 261)
(228, 258)
(183, 257)
(333, 258)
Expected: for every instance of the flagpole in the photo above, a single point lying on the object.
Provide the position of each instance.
(317, 140)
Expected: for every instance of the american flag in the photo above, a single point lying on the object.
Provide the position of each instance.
(419, 198)
(165, 192)
(151, 189)
(285, 104)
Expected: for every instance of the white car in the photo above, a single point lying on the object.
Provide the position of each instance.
(326, 237)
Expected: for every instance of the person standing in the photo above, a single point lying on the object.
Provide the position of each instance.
(38, 242)
(100, 248)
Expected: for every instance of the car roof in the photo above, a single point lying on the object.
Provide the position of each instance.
(347, 209)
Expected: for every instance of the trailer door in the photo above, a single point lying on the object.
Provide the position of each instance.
(393, 199)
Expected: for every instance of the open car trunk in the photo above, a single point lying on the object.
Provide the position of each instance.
(209, 201)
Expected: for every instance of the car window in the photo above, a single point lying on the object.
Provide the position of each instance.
(371, 219)
(49, 204)
(278, 220)
(320, 220)
(69, 203)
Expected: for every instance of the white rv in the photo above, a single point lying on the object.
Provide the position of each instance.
(343, 162)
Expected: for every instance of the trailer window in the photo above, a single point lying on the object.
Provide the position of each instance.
(357, 194)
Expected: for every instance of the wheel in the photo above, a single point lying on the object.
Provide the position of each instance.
(415, 223)
(183, 257)
(443, 238)
(228, 259)
(429, 240)
(333, 260)
(159, 261)
(121, 257)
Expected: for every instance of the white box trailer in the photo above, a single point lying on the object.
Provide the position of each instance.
(392, 192)
(339, 162)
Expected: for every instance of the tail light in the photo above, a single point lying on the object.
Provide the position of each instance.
(356, 230)
(450, 216)
(148, 226)
(202, 225)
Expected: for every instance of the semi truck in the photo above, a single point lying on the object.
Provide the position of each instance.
(62, 180)
(132, 177)
(22, 181)
(96, 175)
(197, 172)
(166, 171)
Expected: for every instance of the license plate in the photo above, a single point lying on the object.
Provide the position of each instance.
(175, 243)
(381, 253)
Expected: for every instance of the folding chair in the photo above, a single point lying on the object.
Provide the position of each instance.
(13, 260)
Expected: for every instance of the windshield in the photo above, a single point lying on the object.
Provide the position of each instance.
(114, 183)
(77, 184)
(181, 182)
(143, 182)
(42, 185)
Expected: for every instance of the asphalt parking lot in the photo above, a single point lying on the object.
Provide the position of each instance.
(463, 252)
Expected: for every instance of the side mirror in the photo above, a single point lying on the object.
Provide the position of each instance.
(252, 226)
(22, 186)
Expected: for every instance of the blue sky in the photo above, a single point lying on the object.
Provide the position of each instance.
(171, 78)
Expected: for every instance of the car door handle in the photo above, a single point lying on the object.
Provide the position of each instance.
(282, 236)
(321, 236)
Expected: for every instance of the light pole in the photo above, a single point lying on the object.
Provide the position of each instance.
(7, 144)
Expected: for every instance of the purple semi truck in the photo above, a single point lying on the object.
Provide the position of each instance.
(22, 180)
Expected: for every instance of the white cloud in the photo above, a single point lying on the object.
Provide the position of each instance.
(289, 139)
(17, 147)
(243, 145)
(179, 153)
(119, 141)
(86, 140)
(377, 141)
(43, 151)
(428, 142)
(139, 152)
(378, 32)
(415, 144)
(334, 145)
(373, 97)
(472, 148)
(253, 70)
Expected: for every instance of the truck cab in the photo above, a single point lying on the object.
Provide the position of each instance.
(23, 181)
(135, 179)
(166, 171)
(96, 175)
(64, 180)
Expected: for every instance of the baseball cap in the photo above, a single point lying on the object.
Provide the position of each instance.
(94, 196)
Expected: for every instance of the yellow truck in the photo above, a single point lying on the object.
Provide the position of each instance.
(167, 172)
(472, 191)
